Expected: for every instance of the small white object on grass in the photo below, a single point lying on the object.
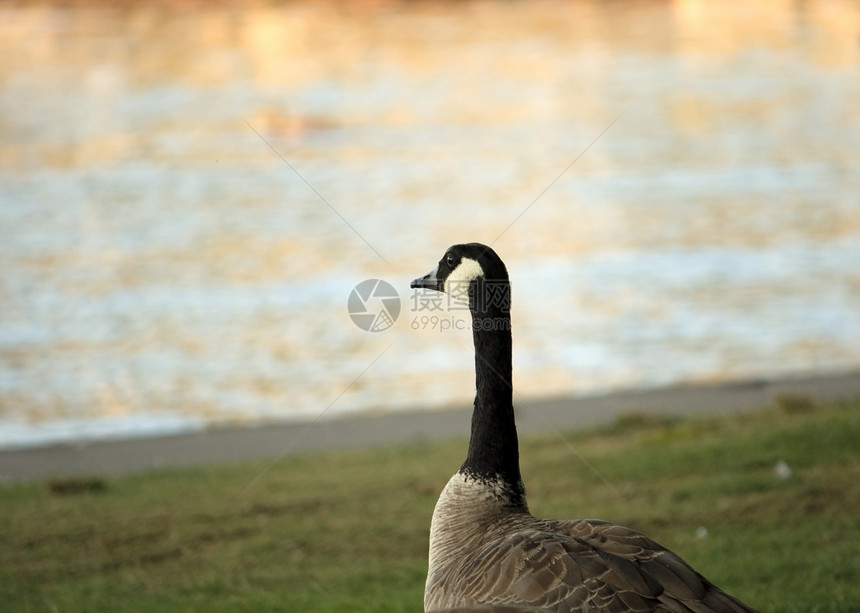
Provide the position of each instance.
(782, 470)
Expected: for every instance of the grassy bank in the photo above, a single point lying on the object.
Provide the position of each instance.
(347, 531)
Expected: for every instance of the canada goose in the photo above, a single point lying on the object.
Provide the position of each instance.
(485, 546)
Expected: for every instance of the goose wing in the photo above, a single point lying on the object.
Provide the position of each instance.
(588, 565)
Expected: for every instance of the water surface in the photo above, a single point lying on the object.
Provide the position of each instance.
(190, 194)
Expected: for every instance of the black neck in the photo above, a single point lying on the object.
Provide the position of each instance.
(493, 448)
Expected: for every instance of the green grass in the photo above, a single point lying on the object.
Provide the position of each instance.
(347, 531)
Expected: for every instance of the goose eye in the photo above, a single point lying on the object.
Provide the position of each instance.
(450, 260)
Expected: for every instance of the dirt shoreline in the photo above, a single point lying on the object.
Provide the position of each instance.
(225, 445)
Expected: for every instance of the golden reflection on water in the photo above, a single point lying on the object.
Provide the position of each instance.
(160, 257)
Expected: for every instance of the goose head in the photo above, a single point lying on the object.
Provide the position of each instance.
(462, 268)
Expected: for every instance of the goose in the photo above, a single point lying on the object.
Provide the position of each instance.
(487, 552)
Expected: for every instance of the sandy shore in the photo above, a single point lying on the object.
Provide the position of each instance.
(231, 444)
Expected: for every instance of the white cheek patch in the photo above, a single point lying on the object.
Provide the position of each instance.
(457, 283)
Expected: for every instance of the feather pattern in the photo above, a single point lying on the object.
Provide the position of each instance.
(487, 552)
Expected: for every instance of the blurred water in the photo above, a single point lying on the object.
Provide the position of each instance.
(188, 194)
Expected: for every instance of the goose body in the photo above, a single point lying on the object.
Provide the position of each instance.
(487, 552)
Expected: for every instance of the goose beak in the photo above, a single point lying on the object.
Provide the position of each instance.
(428, 281)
